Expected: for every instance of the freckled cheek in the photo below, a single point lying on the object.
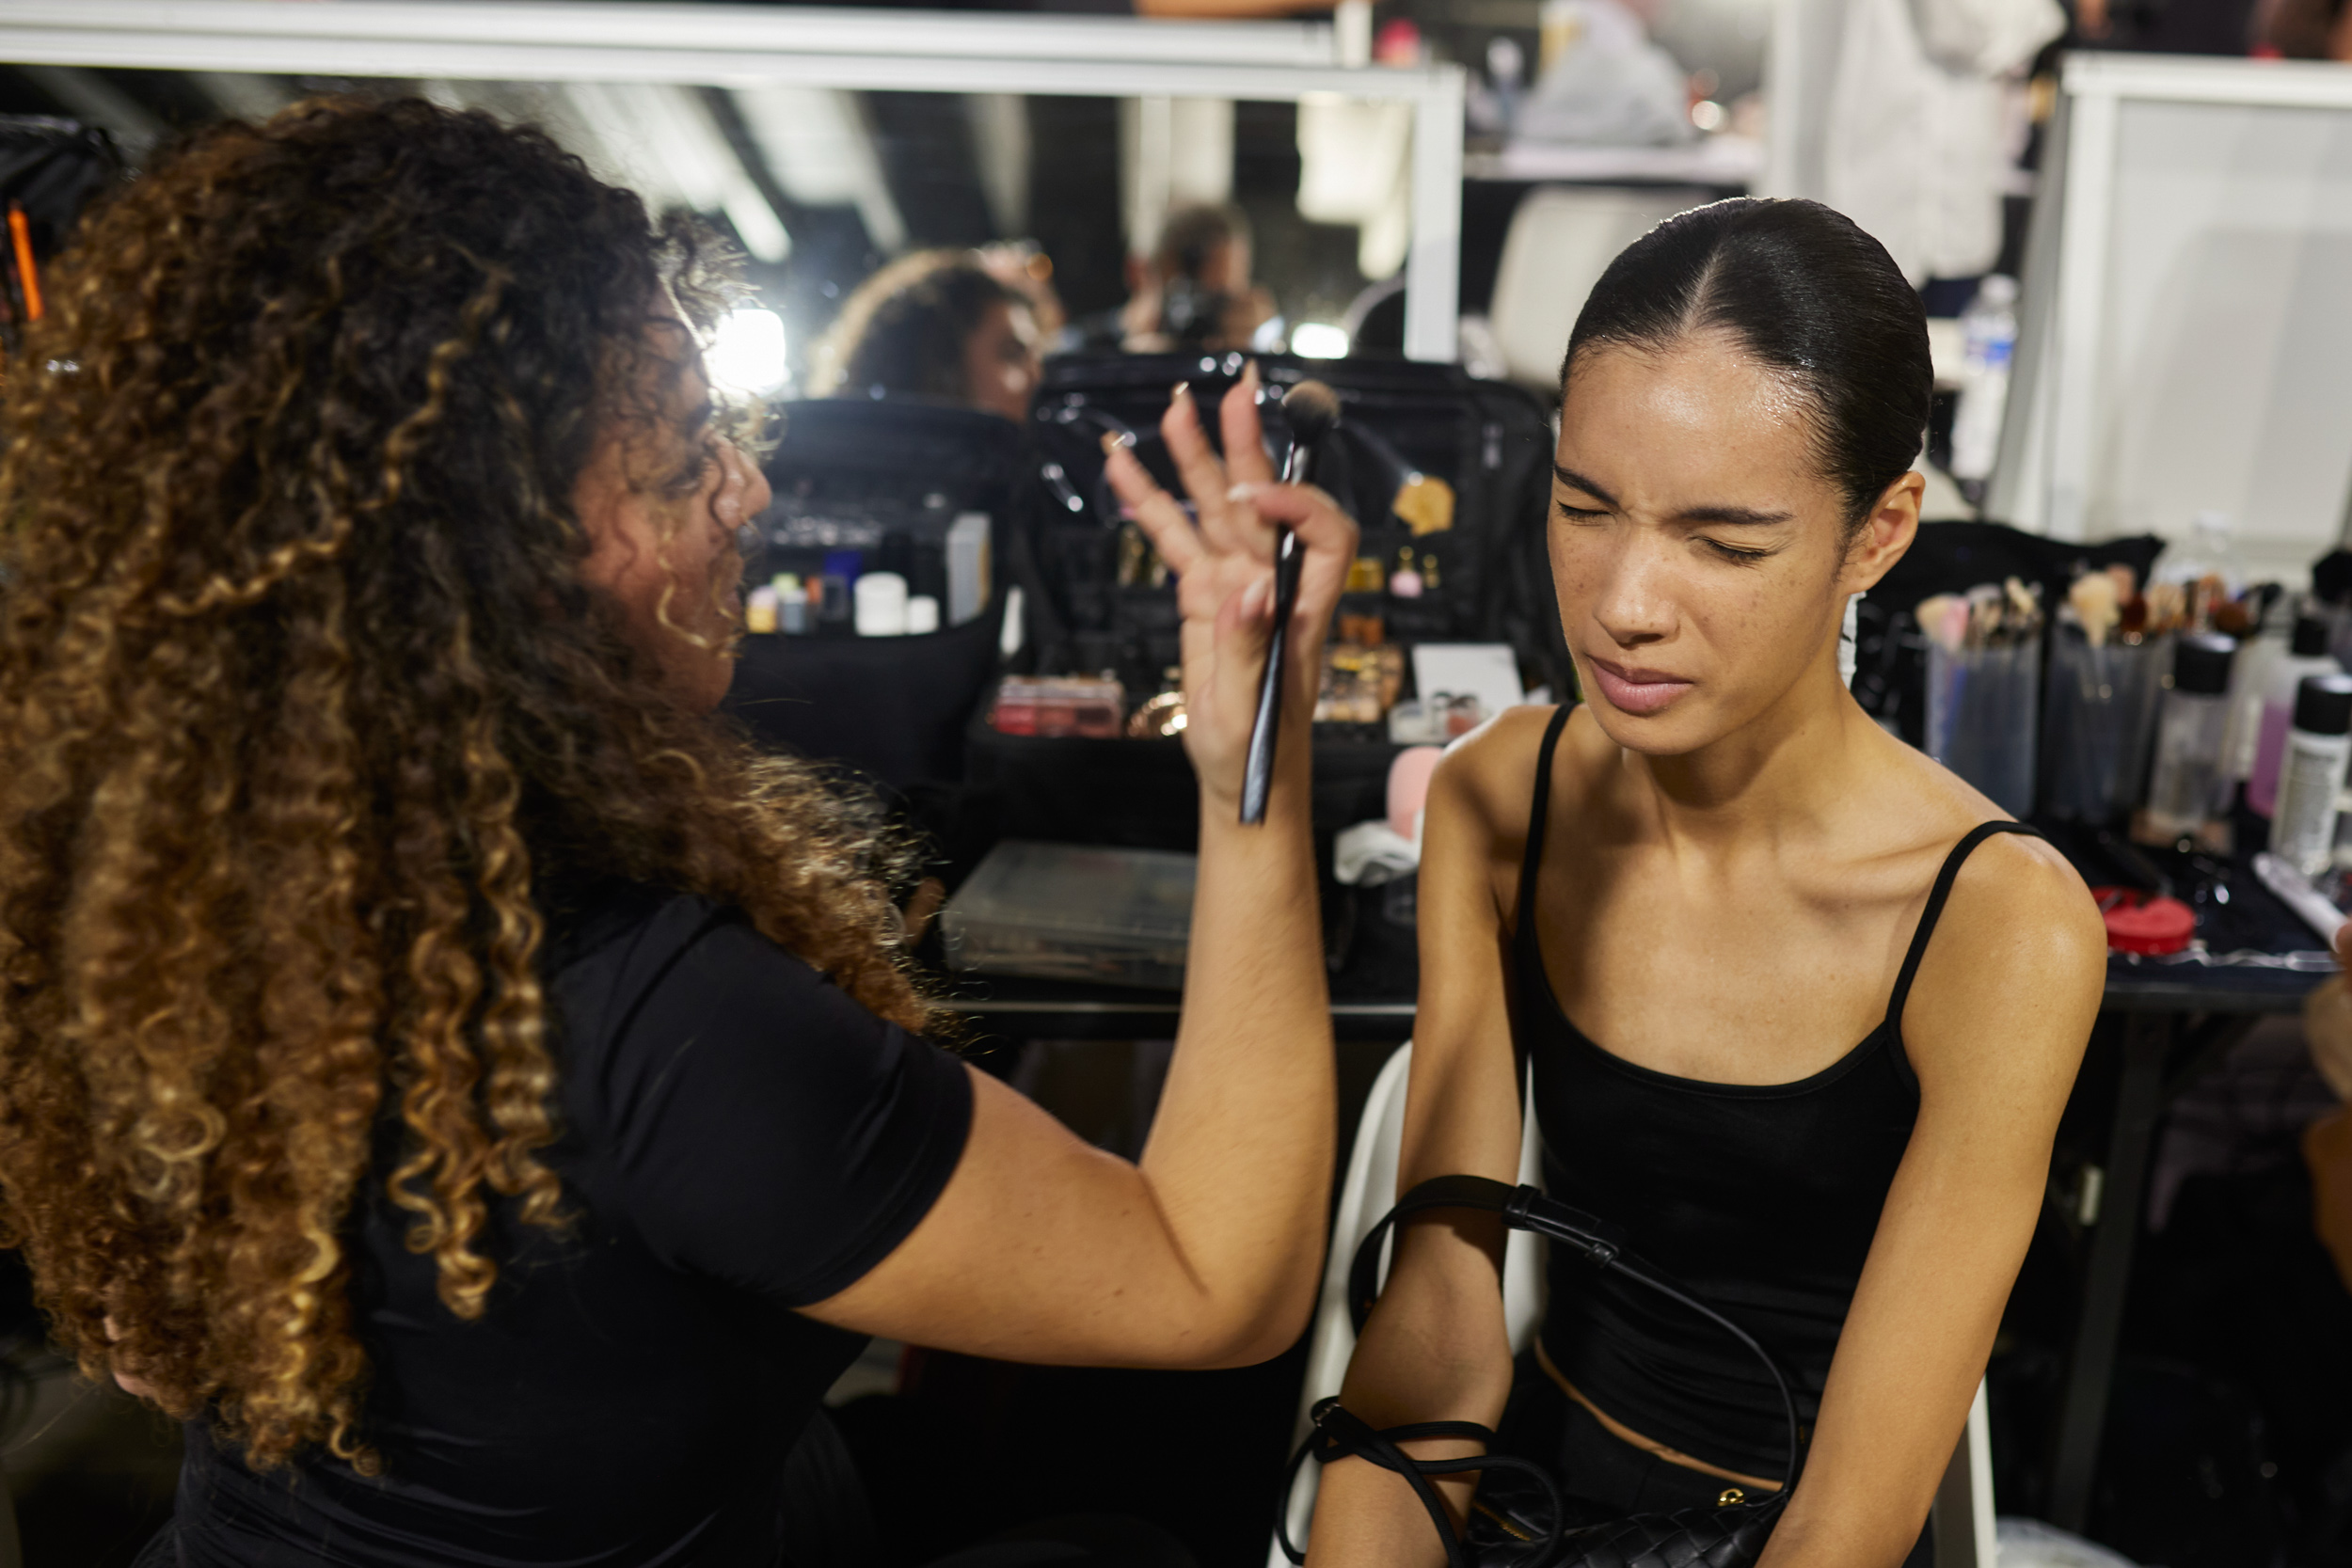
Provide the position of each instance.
(1579, 567)
(1754, 626)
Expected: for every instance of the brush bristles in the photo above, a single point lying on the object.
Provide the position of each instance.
(1311, 410)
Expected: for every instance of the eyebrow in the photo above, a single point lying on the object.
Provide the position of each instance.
(1734, 517)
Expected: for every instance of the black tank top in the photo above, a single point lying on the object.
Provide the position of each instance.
(1761, 1199)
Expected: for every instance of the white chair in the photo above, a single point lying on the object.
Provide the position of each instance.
(1562, 238)
(1962, 1519)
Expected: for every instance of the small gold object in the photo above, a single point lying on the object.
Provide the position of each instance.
(1505, 1526)
(1161, 717)
(1364, 575)
(1425, 504)
(1732, 1497)
(1136, 556)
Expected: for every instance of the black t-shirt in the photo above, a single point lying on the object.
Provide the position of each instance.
(738, 1138)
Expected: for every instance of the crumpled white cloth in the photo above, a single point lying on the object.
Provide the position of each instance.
(1914, 148)
(1371, 854)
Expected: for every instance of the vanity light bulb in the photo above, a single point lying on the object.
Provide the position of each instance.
(1319, 340)
(746, 353)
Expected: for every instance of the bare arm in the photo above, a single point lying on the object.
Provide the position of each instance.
(1435, 1347)
(1043, 1249)
(1996, 1028)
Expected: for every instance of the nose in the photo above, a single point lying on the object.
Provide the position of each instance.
(742, 495)
(1635, 602)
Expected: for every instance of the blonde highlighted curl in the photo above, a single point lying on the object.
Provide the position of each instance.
(309, 722)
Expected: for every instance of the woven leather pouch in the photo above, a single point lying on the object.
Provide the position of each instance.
(1520, 1519)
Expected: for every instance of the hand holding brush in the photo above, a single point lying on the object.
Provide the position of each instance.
(1313, 412)
(1258, 576)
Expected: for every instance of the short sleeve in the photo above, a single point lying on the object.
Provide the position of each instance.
(763, 1128)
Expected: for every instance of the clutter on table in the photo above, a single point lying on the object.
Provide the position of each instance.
(1065, 911)
(875, 571)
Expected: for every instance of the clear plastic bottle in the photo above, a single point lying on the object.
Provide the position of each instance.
(2303, 833)
(2209, 549)
(2306, 655)
(2190, 784)
(2258, 659)
(1989, 335)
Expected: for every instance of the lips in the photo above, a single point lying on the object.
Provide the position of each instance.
(1635, 691)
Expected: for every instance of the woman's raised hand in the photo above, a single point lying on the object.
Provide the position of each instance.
(1225, 580)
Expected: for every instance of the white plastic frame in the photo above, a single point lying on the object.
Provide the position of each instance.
(737, 45)
(2043, 476)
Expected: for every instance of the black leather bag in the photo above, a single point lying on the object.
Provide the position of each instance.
(1520, 1518)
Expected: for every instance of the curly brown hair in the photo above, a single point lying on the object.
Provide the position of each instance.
(901, 333)
(310, 718)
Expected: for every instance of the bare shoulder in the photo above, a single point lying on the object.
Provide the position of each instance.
(1488, 779)
(2013, 974)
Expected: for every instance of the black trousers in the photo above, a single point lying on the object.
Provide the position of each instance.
(1542, 1424)
(828, 1523)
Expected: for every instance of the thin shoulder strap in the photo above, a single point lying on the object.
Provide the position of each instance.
(1936, 895)
(1538, 812)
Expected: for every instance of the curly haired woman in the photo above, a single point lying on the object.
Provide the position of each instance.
(479, 1095)
(936, 326)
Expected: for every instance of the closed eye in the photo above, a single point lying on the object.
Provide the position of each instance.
(1733, 552)
(1580, 513)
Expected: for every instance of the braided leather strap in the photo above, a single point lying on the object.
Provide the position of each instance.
(1339, 1434)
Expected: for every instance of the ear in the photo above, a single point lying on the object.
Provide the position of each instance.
(1885, 534)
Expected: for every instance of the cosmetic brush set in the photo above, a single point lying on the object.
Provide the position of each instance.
(1121, 624)
(1983, 671)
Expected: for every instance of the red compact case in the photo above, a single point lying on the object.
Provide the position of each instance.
(2142, 922)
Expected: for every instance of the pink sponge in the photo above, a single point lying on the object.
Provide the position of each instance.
(1409, 785)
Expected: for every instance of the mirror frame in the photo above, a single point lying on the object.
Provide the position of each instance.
(717, 45)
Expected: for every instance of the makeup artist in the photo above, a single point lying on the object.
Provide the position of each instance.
(1802, 1008)
(439, 1061)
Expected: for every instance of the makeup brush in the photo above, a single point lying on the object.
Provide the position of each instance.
(1311, 410)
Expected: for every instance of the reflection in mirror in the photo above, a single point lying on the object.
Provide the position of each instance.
(1143, 222)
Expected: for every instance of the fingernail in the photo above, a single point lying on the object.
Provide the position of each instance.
(1182, 390)
(1255, 598)
(1250, 372)
(1113, 440)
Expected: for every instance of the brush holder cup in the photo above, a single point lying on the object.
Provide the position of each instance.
(1981, 708)
(2099, 721)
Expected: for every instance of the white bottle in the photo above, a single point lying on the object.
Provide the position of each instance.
(2306, 654)
(1989, 335)
(2303, 831)
(881, 604)
(968, 567)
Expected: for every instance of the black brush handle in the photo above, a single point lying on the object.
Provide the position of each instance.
(1257, 780)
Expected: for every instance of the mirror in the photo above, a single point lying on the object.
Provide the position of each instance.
(821, 186)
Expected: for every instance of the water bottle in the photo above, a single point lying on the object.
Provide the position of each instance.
(1989, 334)
(2209, 551)
(1506, 67)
